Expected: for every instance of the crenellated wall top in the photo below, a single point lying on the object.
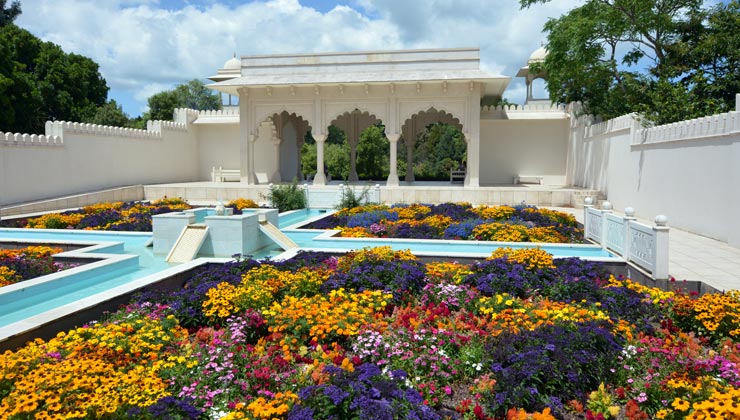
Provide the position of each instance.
(18, 139)
(529, 111)
(718, 125)
(59, 128)
(229, 115)
(625, 122)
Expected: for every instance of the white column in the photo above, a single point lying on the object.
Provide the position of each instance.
(472, 135)
(320, 178)
(246, 139)
(276, 173)
(472, 166)
(393, 175)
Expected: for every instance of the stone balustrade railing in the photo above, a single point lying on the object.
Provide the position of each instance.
(643, 245)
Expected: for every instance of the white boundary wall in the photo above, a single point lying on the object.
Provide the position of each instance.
(689, 170)
(73, 158)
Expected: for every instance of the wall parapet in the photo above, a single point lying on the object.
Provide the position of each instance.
(717, 125)
(625, 122)
(58, 128)
(531, 111)
(18, 139)
(524, 108)
(217, 116)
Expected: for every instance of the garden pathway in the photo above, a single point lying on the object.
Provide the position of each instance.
(695, 257)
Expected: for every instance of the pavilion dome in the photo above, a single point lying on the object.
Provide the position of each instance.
(233, 64)
(538, 55)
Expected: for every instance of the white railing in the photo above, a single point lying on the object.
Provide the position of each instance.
(640, 244)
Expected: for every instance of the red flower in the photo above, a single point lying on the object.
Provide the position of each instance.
(478, 411)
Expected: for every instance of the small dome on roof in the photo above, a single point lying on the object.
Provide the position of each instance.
(233, 64)
(539, 55)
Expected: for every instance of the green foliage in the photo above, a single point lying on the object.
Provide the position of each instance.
(40, 82)
(8, 15)
(193, 94)
(287, 197)
(308, 159)
(162, 106)
(350, 199)
(336, 158)
(438, 150)
(666, 59)
(111, 114)
(373, 153)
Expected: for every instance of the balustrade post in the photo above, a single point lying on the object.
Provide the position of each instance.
(660, 250)
(629, 216)
(606, 207)
(588, 203)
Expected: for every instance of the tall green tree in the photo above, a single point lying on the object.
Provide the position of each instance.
(438, 149)
(40, 82)
(162, 106)
(8, 15)
(372, 153)
(193, 94)
(112, 114)
(647, 56)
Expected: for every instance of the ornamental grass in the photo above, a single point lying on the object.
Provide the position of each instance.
(379, 334)
(459, 221)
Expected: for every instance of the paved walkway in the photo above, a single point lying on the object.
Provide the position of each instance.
(696, 257)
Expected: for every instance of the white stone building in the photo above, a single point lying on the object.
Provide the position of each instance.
(280, 97)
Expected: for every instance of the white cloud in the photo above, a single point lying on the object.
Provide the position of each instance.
(143, 45)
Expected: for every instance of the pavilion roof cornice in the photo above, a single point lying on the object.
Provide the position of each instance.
(494, 85)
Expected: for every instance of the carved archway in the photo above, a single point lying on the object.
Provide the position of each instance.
(417, 124)
(287, 137)
(353, 124)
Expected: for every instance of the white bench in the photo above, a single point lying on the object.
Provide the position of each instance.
(223, 175)
(457, 176)
(529, 179)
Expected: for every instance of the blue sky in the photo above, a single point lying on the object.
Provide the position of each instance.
(147, 46)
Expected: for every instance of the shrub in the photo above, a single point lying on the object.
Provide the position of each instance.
(287, 197)
(351, 199)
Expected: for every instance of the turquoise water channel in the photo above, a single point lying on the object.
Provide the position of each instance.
(133, 259)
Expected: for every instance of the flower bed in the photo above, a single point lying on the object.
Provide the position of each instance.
(118, 216)
(21, 264)
(379, 334)
(455, 221)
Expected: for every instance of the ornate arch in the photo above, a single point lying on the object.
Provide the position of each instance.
(332, 110)
(418, 122)
(413, 125)
(264, 112)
